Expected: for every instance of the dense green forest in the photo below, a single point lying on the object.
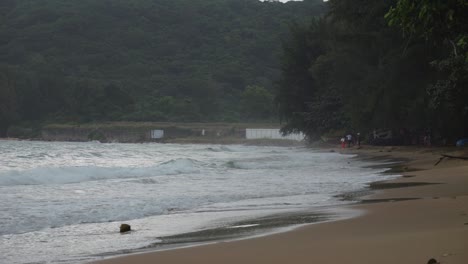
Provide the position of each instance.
(322, 67)
(379, 64)
(142, 60)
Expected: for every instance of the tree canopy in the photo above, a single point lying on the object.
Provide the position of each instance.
(368, 64)
(141, 60)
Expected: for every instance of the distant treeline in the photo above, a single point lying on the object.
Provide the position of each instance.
(334, 67)
(142, 60)
(379, 64)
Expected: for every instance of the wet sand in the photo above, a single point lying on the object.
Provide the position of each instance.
(405, 220)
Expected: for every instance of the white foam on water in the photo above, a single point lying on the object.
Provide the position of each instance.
(242, 226)
(63, 175)
(64, 201)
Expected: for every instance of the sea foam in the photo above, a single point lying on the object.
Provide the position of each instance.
(63, 202)
(76, 174)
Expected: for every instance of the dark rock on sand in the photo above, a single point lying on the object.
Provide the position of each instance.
(432, 261)
(125, 228)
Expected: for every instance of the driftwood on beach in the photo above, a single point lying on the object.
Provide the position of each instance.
(450, 157)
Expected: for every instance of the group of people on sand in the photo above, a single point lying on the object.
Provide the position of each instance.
(349, 140)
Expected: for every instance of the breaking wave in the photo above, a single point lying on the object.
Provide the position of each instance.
(64, 175)
(219, 149)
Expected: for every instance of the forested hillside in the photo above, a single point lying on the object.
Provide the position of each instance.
(142, 60)
(367, 64)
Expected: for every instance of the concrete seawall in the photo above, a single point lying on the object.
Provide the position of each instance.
(141, 132)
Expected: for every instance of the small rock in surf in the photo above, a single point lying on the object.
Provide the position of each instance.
(125, 228)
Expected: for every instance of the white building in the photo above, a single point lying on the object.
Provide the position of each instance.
(259, 133)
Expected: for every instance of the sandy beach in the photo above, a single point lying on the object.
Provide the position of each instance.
(397, 225)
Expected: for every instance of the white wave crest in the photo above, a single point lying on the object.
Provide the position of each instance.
(219, 149)
(64, 175)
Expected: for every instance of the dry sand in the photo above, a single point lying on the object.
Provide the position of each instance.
(412, 231)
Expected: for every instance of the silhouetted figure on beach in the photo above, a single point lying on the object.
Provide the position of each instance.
(349, 138)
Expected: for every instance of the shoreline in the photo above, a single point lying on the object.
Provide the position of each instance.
(193, 141)
(270, 224)
(260, 227)
(390, 206)
(329, 214)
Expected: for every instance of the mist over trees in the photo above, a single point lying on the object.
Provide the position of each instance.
(370, 64)
(141, 60)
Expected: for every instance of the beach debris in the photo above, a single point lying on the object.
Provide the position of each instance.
(433, 261)
(440, 159)
(443, 156)
(125, 228)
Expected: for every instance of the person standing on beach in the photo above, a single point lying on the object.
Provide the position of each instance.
(349, 138)
(343, 144)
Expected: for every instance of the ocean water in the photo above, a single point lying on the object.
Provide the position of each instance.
(63, 202)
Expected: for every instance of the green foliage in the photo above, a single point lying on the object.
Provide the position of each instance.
(8, 106)
(350, 71)
(257, 103)
(297, 87)
(165, 60)
(445, 24)
(433, 20)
